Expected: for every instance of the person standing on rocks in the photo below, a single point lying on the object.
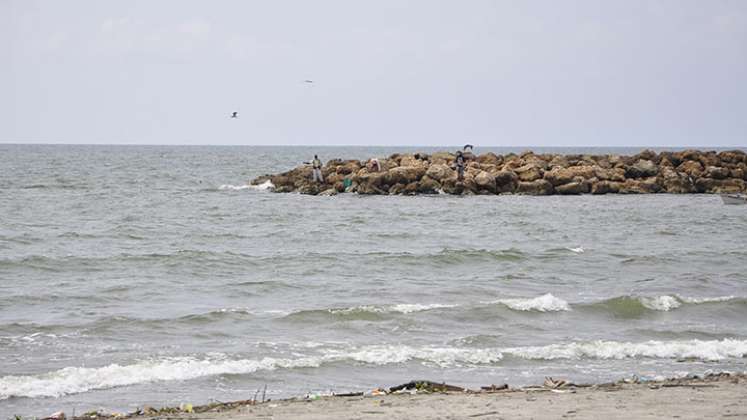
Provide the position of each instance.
(459, 162)
(316, 173)
(375, 165)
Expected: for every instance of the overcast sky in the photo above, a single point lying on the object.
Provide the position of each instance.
(501, 73)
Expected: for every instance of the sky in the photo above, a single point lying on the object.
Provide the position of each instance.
(384, 72)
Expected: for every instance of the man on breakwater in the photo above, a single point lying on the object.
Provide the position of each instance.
(459, 162)
(316, 174)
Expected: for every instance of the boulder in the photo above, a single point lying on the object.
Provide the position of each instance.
(719, 186)
(529, 172)
(410, 189)
(716, 172)
(443, 158)
(560, 176)
(506, 181)
(489, 159)
(440, 172)
(485, 182)
(404, 174)
(396, 189)
(605, 187)
(538, 187)
(641, 169)
(427, 185)
(575, 187)
(733, 156)
(610, 174)
(691, 167)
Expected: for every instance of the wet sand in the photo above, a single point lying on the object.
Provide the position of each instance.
(715, 397)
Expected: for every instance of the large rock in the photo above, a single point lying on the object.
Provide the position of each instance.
(538, 187)
(506, 181)
(489, 159)
(443, 158)
(427, 185)
(440, 172)
(691, 167)
(529, 172)
(716, 172)
(643, 168)
(560, 176)
(605, 187)
(404, 174)
(485, 182)
(575, 187)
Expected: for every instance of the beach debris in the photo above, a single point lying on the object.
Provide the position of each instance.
(55, 416)
(494, 388)
(489, 413)
(426, 386)
(378, 391)
(186, 407)
(349, 394)
(555, 383)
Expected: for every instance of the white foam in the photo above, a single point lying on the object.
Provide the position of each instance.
(703, 350)
(544, 303)
(441, 356)
(404, 308)
(578, 250)
(72, 380)
(706, 300)
(661, 303)
(267, 185)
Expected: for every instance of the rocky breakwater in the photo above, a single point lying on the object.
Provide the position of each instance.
(683, 172)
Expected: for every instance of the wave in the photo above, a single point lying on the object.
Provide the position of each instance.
(712, 350)
(544, 303)
(638, 305)
(366, 312)
(265, 186)
(71, 380)
(103, 263)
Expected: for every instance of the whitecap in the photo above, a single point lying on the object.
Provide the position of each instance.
(693, 300)
(395, 354)
(72, 380)
(661, 303)
(578, 250)
(703, 350)
(404, 308)
(265, 186)
(544, 303)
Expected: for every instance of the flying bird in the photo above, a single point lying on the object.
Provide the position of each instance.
(235, 114)
(308, 81)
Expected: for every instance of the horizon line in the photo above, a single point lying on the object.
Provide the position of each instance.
(374, 145)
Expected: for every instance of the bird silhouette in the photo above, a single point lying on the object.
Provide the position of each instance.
(235, 114)
(308, 81)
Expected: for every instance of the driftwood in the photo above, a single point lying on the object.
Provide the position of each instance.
(427, 386)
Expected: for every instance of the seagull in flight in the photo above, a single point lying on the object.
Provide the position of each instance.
(234, 114)
(308, 81)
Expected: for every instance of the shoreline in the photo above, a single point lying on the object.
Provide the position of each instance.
(717, 394)
(648, 172)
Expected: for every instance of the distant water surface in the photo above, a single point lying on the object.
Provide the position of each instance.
(137, 275)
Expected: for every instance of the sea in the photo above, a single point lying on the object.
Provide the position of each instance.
(154, 275)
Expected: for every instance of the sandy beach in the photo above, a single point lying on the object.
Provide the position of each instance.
(716, 396)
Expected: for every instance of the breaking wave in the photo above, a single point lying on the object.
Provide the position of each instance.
(696, 349)
(639, 305)
(544, 303)
(267, 185)
(72, 380)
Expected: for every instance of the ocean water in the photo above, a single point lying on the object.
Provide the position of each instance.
(153, 275)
